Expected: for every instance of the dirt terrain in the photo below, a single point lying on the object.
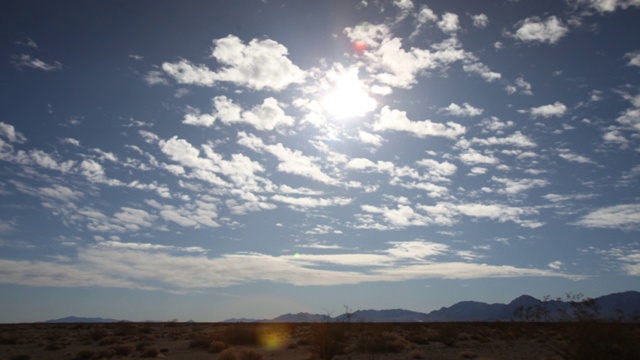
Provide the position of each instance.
(251, 341)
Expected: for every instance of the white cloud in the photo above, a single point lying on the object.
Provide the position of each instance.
(477, 171)
(154, 77)
(417, 250)
(472, 157)
(69, 141)
(449, 23)
(520, 85)
(426, 15)
(464, 110)
(483, 70)
(267, 116)
(501, 213)
(196, 214)
(630, 118)
(310, 202)
(494, 124)
(151, 247)
(443, 214)
(94, 172)
(391, 65)
(563, 198)
(556, 265)
(437, 171)
(534, 29)
(634, 58)
(404, 4)
(106, 264)
(516, 139)
(9, 132)
(480, 21)
(291, 161)
(625, 217)
(605, 6)
(513, 187)
(370, 34)
(556, 109)
(28, 42)
(261, 64)
(397, 120)
(371, 139)
(26, 61)
(239, 169)
(569, 156)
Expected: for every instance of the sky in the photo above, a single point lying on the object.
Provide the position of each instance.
(209, 160)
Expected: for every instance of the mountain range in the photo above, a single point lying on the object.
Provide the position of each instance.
(623, 306)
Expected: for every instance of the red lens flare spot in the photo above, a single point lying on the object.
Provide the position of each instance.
(360, 46)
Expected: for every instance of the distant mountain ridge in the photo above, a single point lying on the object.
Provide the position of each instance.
(76, 319)
(610, 306)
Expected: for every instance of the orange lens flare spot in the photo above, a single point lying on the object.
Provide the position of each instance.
(274, 336)
(360, 46)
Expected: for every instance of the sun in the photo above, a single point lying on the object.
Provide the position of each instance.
(348, 98)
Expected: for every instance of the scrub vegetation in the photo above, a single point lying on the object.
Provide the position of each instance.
(584, 338)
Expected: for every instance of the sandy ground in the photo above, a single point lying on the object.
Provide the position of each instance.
(304, 341)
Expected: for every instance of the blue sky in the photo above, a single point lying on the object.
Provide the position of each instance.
(206, 160)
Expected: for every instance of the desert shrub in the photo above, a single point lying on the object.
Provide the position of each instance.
(328, 339)
(150, 353)
(447, 334)
(124, 329)
(122, 350)
(8, 339)
(201, 340)
(20, 357)
(582, 333)
(250, 354)
(164, 350)
(108, 341)
(84, 354)
(216, 346)
(54, 347)
(241, 334)
(140, 345)
(468, 355)
(240, 354)
(228, 354)
(104, 353)
(97, 334)
(597, 340)
(417, 354)
(419, 339)
(372, 338)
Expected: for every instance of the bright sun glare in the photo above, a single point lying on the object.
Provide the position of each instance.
(348, 97)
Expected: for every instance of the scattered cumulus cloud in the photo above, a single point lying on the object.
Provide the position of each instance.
(624, 217)
(26, 61)
(534, 29)
(556, 109)
(634, 58)
(449, 23)
(261, 64)
(397, 120)
(464, 110)
(480, 21)
(266, 116)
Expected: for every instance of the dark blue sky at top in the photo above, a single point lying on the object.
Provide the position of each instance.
(466, 216)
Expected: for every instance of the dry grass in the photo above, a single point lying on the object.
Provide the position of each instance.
(180, 341)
